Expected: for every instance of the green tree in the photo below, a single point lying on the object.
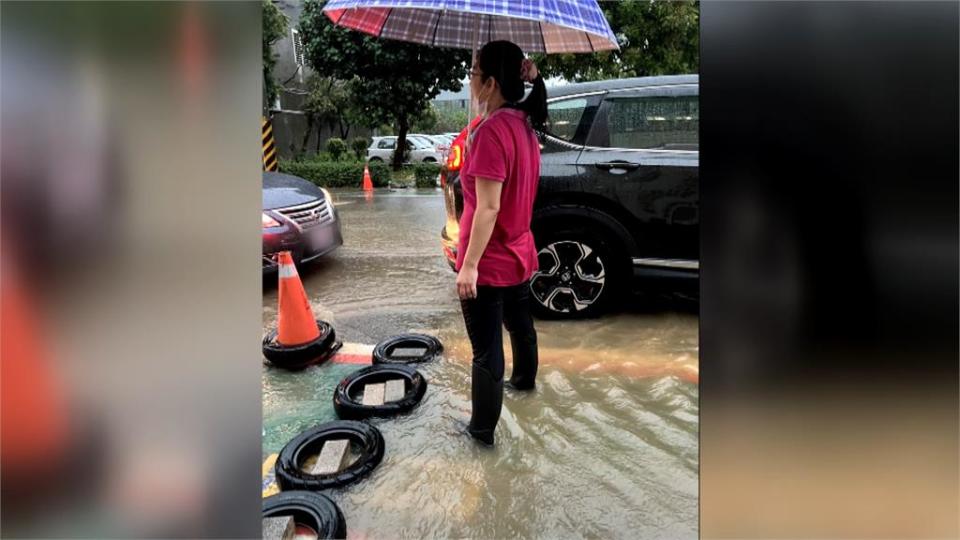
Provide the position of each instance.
(337, 147)
(657, 37)
(427, 121)
(274, 28)
(451, 119)
(396, 80)
(359, 146)
(329, 103)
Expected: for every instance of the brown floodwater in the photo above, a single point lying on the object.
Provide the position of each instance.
(606, 447)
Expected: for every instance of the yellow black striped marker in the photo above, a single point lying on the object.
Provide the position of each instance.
(270, 486)
(269, 146)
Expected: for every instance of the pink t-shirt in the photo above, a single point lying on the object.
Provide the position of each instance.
(503, 148)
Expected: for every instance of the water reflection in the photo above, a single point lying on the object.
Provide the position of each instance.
(605, 447)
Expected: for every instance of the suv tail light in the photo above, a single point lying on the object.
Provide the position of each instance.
(455, 158)
(458, 146)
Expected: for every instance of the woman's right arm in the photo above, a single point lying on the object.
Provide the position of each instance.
(484, 219)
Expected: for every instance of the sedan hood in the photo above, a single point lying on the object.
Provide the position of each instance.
(282, 190)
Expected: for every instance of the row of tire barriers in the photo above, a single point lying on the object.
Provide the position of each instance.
(317, 459)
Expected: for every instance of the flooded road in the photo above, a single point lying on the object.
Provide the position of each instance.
(606, 446)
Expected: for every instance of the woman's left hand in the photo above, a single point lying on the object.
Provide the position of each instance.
(467, 282)
(528, 70)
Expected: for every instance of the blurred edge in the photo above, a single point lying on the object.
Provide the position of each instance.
(130, 170)
(829, 247)
(130, 282)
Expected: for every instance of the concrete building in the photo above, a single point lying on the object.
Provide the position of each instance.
(454, 100)
(291, 72)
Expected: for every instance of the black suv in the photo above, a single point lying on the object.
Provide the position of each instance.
(618, 201)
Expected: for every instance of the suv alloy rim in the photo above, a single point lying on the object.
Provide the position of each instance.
(574, 278)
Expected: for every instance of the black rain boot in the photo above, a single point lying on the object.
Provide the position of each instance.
(525, 361)
(487, 395)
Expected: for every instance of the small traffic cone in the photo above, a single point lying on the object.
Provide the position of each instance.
(295, 322)
(33, 406)
(367, 181)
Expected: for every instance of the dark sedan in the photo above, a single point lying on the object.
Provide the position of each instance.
(298, 217)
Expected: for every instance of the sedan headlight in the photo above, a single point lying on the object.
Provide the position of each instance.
(333, 207)
(268, 221)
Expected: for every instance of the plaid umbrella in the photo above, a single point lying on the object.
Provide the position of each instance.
(544, 26)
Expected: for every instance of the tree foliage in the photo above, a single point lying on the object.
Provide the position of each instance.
(427, 121)
(396, 80)
(657, 37)
(332, 103)
(274, 27)
(451, 120)
(337, 148)
(359, 146)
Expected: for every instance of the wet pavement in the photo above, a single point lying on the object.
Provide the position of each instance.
(606, 446)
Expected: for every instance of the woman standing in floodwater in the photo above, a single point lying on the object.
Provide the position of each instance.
(497, 255)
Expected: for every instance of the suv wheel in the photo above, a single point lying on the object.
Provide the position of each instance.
(578, 277)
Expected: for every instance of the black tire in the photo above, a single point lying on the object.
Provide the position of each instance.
(579, 277)
(347, 406)
(382, 353)
(429, 160)
(314, 510)
(376, 160)
(295, 453)
(300, 356)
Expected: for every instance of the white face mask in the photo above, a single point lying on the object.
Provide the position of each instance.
(482, 99)
(478, 106)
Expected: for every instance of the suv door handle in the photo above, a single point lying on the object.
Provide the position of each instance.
(624, 165)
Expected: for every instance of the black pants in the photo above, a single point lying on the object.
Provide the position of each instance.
(485, 317)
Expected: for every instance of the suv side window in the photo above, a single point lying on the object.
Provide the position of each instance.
(649, 122)
(387, 144)
(570, 119)
(564, 117)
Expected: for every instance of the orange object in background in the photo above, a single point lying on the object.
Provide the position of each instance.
(367, 181)
(295, 322)
(34, 428)
(458, 148)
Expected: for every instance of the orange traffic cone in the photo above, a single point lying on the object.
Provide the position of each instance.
(367, 181)
(35, 421)
(295, 322)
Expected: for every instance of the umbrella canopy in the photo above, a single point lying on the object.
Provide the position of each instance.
(544, 26)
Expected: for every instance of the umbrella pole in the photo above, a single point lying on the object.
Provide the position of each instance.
(474, 110)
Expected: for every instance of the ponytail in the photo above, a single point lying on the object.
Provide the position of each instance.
(535, 105)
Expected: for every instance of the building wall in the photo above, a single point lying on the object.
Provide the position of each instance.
(286, 70)
(448, 104)
(289, 125)
(289, 128)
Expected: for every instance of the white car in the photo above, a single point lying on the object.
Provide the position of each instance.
(440, 142)
(421, 150)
